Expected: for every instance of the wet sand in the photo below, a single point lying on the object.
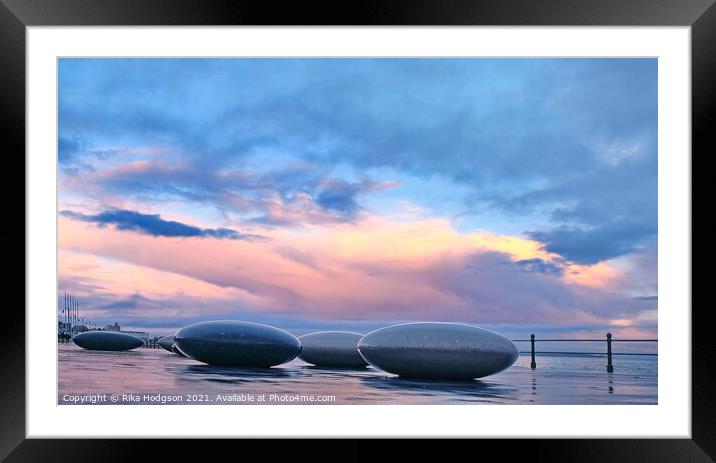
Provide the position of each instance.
(155, 376)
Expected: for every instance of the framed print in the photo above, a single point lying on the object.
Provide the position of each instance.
(300, 225)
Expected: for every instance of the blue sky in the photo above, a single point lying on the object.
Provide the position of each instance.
(561, 153)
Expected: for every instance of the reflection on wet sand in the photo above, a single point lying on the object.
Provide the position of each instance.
(329, 369)
(239, 373)
(533, 382)
(611, 382)
(475, 390)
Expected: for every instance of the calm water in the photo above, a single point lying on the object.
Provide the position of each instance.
(155, 376)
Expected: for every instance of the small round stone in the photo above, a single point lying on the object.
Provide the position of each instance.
(337, 349)
(107, 340)
(166, 343)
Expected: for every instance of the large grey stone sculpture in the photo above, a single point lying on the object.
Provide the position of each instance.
(338, 349)
(438, 350)
(237, 343)
(106, 340)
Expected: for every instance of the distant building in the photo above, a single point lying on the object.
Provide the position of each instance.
(116, 327)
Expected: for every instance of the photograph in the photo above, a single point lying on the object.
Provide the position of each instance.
(357, 231)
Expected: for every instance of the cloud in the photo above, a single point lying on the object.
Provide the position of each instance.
(68, 148)
(375, 270)
(556, 160)
(540, 266)
(132, 302)
(154, 225)
(286, 195)
(340, 196)
(595, 216)
(589, 246)
(574, 139)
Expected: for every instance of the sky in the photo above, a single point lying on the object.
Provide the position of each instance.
(515, 194)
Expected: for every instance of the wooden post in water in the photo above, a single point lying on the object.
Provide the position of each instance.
(610, 367)
(533, 364)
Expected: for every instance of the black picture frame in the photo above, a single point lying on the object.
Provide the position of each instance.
(16, 15)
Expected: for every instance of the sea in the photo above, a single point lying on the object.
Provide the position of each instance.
(147, 376)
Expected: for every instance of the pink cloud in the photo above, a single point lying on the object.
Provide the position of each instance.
(375, 269)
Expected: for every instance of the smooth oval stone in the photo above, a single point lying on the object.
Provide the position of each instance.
(332, 349)
(106, 340)
(237, 343)
(438, 351)
(166, 342)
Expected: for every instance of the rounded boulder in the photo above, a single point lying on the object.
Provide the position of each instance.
(166, 343)
(438, 351)
(237, 343)
(107, 340)
(337, 349)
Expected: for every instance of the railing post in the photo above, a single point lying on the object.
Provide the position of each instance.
(610, 367)
(533, 364)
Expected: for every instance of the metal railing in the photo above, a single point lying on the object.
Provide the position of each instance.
(608, 340)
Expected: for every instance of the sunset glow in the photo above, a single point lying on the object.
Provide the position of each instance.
(360, 192)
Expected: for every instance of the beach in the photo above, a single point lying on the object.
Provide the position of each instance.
(157, 377)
